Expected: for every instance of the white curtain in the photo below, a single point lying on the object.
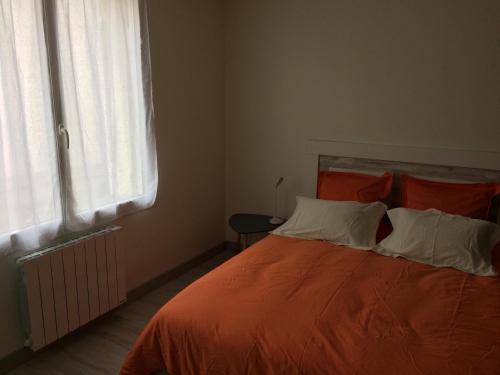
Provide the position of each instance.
(111, 155)
(109, 168)
(30, 205)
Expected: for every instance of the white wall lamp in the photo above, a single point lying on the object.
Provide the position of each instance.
(275, 220)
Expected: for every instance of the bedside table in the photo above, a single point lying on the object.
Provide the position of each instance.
(245, 224)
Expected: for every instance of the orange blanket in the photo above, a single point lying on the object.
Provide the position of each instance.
(289, 306)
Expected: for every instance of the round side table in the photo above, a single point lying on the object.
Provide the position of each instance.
(245, 224)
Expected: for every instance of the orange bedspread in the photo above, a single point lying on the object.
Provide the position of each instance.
(289, 306)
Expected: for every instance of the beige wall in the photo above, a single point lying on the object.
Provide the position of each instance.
(188, 217)
(422, 73)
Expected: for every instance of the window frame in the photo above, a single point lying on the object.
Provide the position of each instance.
(49, 26)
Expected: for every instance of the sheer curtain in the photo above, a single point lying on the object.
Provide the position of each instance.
(48, 188)
(30, 204)
(111, 155)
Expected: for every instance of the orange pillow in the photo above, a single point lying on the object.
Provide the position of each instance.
(384, 229)
(350, 186)
(495, 256)
(472, 200)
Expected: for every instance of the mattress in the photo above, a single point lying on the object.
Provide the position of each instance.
(291, 306)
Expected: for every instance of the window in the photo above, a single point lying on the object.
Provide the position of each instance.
(77, 145)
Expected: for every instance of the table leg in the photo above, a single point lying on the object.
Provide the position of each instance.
(239, 241)
(245, 241)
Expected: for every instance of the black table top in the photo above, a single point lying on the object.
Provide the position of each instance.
(251, 223)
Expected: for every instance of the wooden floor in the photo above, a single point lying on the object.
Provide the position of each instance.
(101, 347)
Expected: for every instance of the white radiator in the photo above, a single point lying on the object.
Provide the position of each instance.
(67, 286)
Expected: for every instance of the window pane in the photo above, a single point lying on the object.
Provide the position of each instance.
(99, 46)
(29, 182)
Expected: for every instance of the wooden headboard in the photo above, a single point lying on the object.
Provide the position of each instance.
(450, 173)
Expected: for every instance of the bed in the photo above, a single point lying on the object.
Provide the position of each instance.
(295, 306)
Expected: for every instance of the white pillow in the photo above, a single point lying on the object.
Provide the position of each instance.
(442, 240)
(343, 223)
